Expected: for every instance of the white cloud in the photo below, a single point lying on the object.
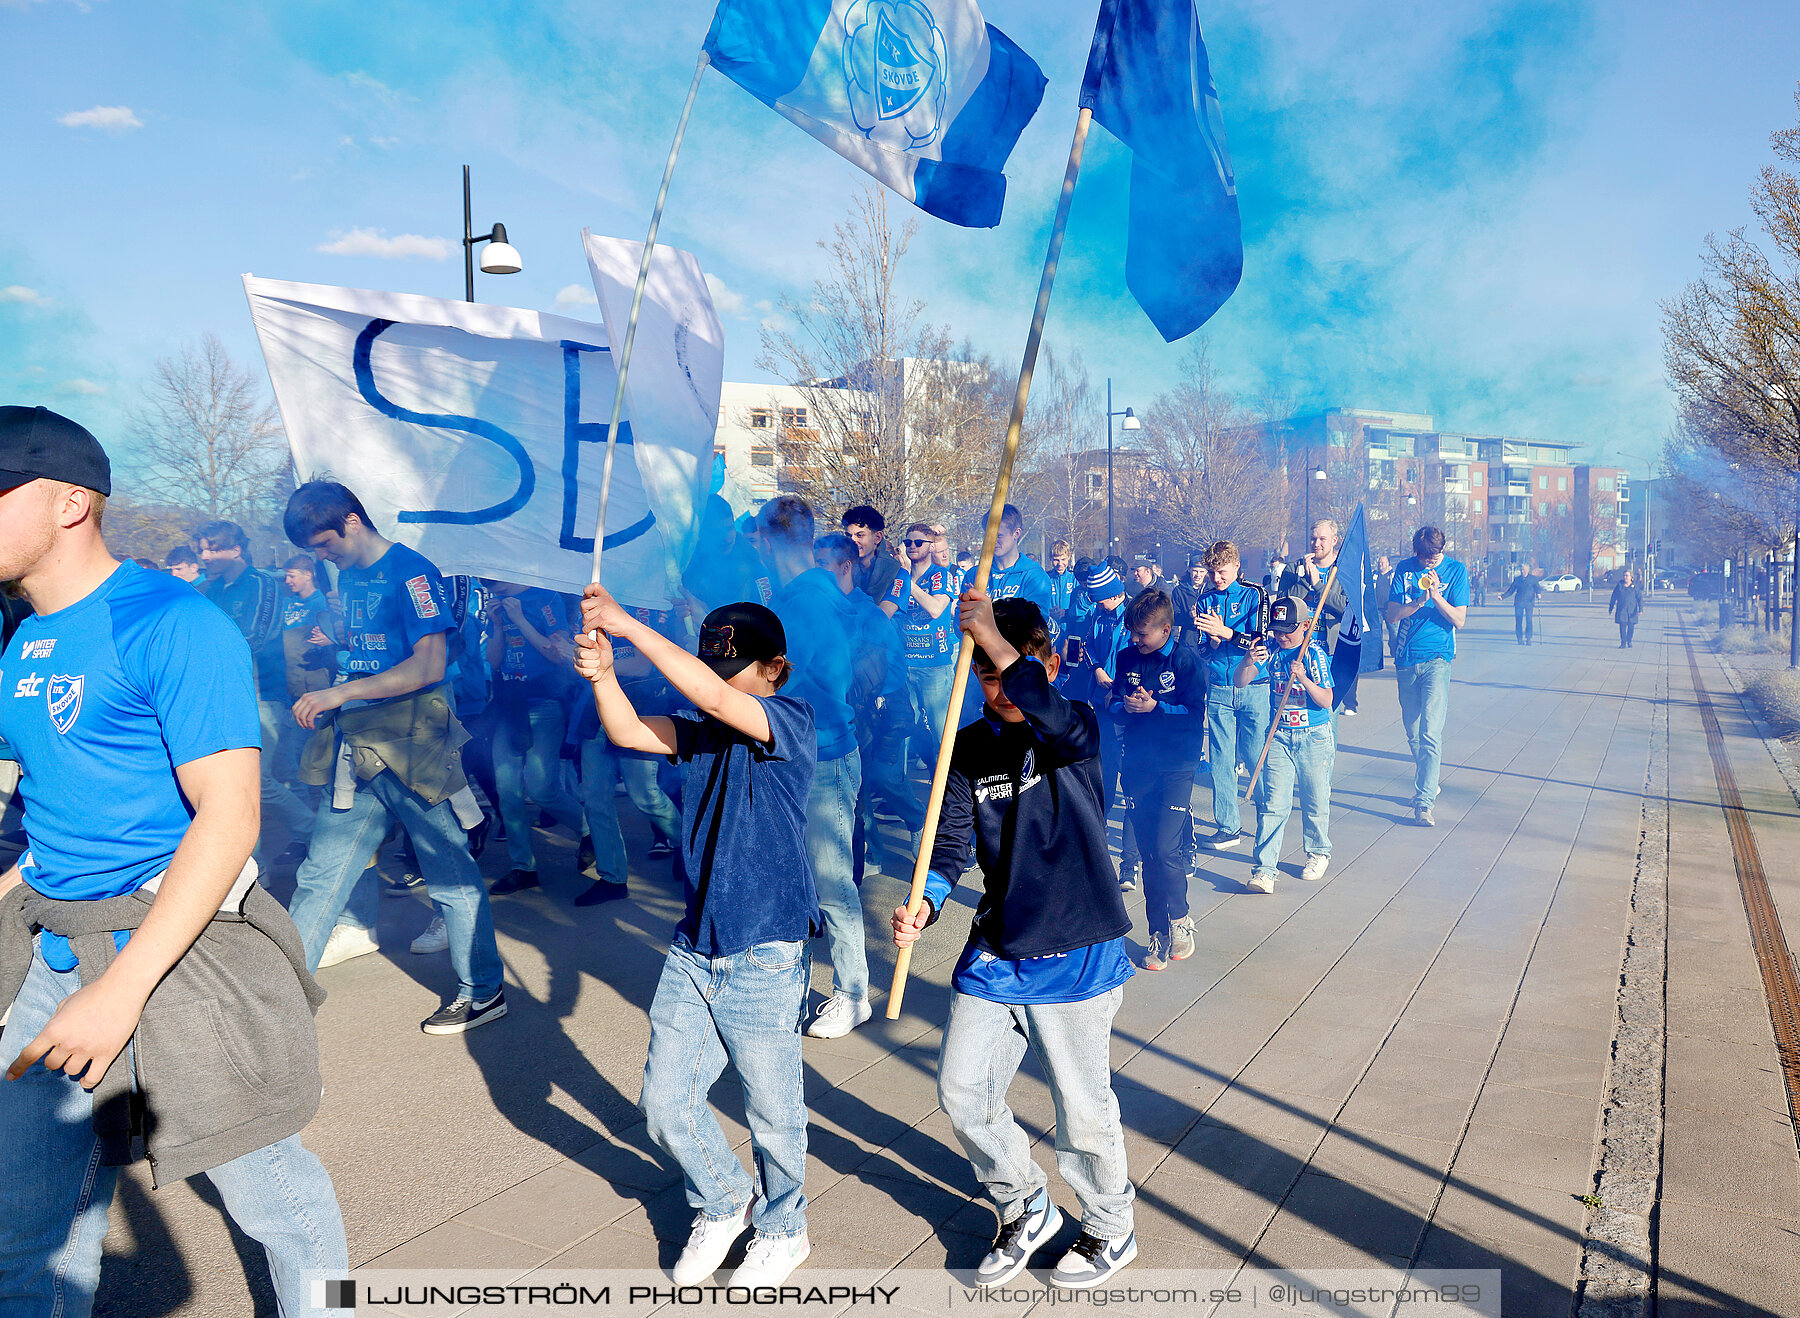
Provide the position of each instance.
(725, 301)
(376, 243)
(19, 293)
(86, 388)
(112, 118)
(575, 295)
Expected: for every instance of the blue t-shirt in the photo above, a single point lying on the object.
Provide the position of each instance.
(1076, 976)
(743, 829)
(101, 702)
(1062, 589)
(389, 607)
(1025, 579)
(522, 665)
(813, 612)
(1278, 673)
(1240, 606)
(1426, 634)
(930, 642)
(305, 614)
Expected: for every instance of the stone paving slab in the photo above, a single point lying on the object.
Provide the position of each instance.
(1398, 1066)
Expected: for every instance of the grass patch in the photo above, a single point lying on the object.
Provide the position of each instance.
(1738, 639)
(1777, 694)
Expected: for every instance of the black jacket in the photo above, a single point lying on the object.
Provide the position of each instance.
(1026, 798)
(1525, 591)
(1173, 732)
(1626, 602)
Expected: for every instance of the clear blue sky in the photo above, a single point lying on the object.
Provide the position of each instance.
(1463, 208)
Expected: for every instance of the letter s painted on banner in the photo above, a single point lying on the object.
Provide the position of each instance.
(365, 385)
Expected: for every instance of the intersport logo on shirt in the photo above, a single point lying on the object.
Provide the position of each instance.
(38, 649)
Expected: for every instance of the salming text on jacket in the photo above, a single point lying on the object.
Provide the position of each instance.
(1025, 798)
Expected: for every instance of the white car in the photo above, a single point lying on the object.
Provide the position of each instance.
(1566, 581)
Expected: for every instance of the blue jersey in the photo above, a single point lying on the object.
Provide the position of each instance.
(1240, 605)
(930, 642)
(101, 702)
(522, 665)
(1426, 634)
(389, 607)
(1062, 589)
(1025, 579)
(1278, 672)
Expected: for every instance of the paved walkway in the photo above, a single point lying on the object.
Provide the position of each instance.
(1402, 1065)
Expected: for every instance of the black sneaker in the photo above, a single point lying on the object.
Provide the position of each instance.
(514, 881)
(1220, 840)
(603, 891)
(1017, 1239)
(463, 1014)
(584, 855)
(1128, 878)
(1091, 1260)
(660, 850)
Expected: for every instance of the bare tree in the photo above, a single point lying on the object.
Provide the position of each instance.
(1065, 432)
(1732, 344)
(206, 439)
(1205, 476)
(897, 414)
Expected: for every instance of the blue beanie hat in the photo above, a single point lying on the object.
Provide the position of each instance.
(1101, 582)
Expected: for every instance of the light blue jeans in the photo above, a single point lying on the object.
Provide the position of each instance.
(930, 689)
(279, 800)
(528, 771)
(345, 841)
(743, 1009)
(1424, 700)
(601, 768)
(1237, 720)
(984, 1042)
(54, 1194)
(830, 825)
(1303, 758)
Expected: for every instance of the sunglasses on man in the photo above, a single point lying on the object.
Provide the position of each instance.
(915, 544)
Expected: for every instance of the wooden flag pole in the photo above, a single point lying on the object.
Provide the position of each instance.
(623, 360)
(965, 651)
(1275, 722)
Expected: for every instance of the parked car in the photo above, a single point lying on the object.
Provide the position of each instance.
(1567, 581)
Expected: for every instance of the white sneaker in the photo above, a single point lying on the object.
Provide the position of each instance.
(1262, 882)
(347, 942)
(708, 1244)
(840, 1014)
(771, 1259)
(435, 938)
(1314, 869)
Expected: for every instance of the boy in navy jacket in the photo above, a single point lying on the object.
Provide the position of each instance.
(1046, 964)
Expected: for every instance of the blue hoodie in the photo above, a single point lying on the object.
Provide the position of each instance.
(815, 614)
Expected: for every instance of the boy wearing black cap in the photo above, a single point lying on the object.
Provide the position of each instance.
(734, 986)
(1304, 745)
(1046, 964)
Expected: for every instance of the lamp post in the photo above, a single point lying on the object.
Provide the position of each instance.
(1129, 423)
(1318, 474)
(499, 257)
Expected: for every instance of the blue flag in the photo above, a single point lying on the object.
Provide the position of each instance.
(1361, 625)
(922, 94)
(1148, 81)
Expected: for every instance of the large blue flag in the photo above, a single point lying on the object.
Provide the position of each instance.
(1360, 628)
(1149, 82)
(922, 94)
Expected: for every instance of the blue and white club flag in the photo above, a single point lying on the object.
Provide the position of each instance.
(1149, 82)
(475, 434)
(1360, 629)
(923, 94)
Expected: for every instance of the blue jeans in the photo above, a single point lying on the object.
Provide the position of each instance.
(830, 825)
(1300, 757)
(345, 841)
(930, 689)
(743, 1009)
(1237, 720)
(1424, 700)
(54, 1194)
(279, 800)
(528, 771)
(984, 1042)
(602, 766)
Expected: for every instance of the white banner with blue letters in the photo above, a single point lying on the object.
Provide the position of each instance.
(475, 434)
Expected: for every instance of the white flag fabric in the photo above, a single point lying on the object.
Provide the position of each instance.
(474, 434)
(677, 359)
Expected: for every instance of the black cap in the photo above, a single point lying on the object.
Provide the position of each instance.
(38, 444)
(1287, 613)
(1196, 558)
(734, 636)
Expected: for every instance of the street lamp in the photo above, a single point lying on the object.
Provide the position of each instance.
(1129, 423)
(1318, 474)
(499, 257)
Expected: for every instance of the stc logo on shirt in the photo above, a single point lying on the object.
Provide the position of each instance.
(28, 686)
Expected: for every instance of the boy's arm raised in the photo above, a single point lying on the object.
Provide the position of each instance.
(624, 726)
(710, 693)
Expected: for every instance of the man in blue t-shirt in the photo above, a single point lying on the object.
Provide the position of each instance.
(1428, 601)
(398, 613)
(1237, 718)
(928, 633)
(131, 703)
(252, 600)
